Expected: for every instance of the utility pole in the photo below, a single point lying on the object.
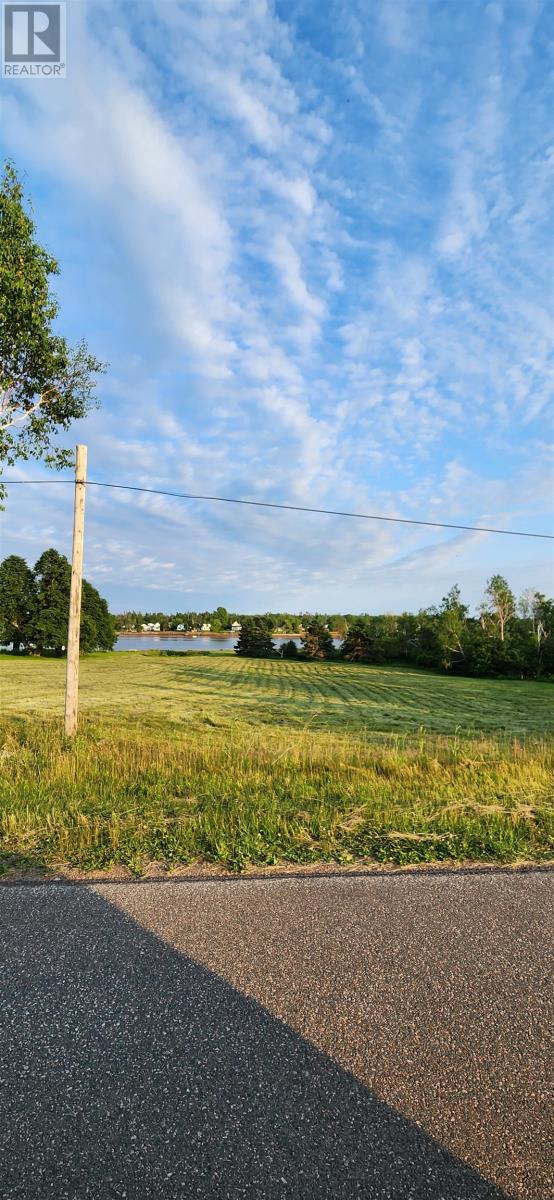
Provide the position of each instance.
(72, 669)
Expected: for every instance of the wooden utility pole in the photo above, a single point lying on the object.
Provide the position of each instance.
(72, 670)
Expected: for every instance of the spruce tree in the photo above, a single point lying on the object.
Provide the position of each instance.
(358, 645)
(317, 641)
(52, 584)
(97, 624)
(48, 627)
(255, 638)
(16, 601)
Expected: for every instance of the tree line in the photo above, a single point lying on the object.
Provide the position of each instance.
(34, 607)
(221, 619)
(504, 638)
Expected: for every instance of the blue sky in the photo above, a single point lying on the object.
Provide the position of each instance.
(315, 244)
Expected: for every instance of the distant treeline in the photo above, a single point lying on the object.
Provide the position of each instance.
(34, 606)
(506, 638)
(220, 620)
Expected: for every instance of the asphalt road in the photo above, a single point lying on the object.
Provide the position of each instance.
(384, 1036)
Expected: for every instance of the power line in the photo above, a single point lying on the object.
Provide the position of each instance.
(330, 512)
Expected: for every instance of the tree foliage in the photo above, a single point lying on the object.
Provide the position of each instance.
(98, 630)
(34, 607)
(44, 384)
(442, 638)
(17, 601)
(447, 638)
(499, 605)
(359, 645)
(317, 641)
(255, 638)
(219, 621)
(48, 629)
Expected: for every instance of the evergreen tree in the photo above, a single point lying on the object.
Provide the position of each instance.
(289, 649)
(50, 620)
(98, 627)
(358, 645)
(16, 601)
(48, 625)
(255, 638)
(317, 641)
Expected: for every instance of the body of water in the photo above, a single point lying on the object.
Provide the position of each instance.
(157, 641)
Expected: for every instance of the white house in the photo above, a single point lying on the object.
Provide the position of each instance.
(153, 627)
(236, 627)
(180, 628)
(205, 628)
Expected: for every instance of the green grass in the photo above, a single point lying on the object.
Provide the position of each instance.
(222, 689)
(193, 758)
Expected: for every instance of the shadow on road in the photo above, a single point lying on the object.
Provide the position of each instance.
(128, 1070)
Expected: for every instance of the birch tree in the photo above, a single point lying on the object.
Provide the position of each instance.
(499, 604)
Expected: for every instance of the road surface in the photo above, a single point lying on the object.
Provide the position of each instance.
(385, 1036)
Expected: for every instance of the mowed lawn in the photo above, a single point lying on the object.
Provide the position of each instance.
(193, 759)
(222, 689)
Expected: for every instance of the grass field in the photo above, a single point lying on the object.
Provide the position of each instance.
(210, 758)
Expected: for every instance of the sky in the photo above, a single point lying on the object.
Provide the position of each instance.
(315, 244)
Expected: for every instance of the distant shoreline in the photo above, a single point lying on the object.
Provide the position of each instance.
(168, 633)
(174, 633)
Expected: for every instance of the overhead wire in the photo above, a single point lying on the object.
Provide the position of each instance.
(331, 512)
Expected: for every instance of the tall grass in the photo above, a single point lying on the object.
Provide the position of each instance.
(240, 763)
(242, 795)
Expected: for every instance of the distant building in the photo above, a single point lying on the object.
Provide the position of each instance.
(206, 627)
(180, 628)
(152, 627)
(236, 627)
